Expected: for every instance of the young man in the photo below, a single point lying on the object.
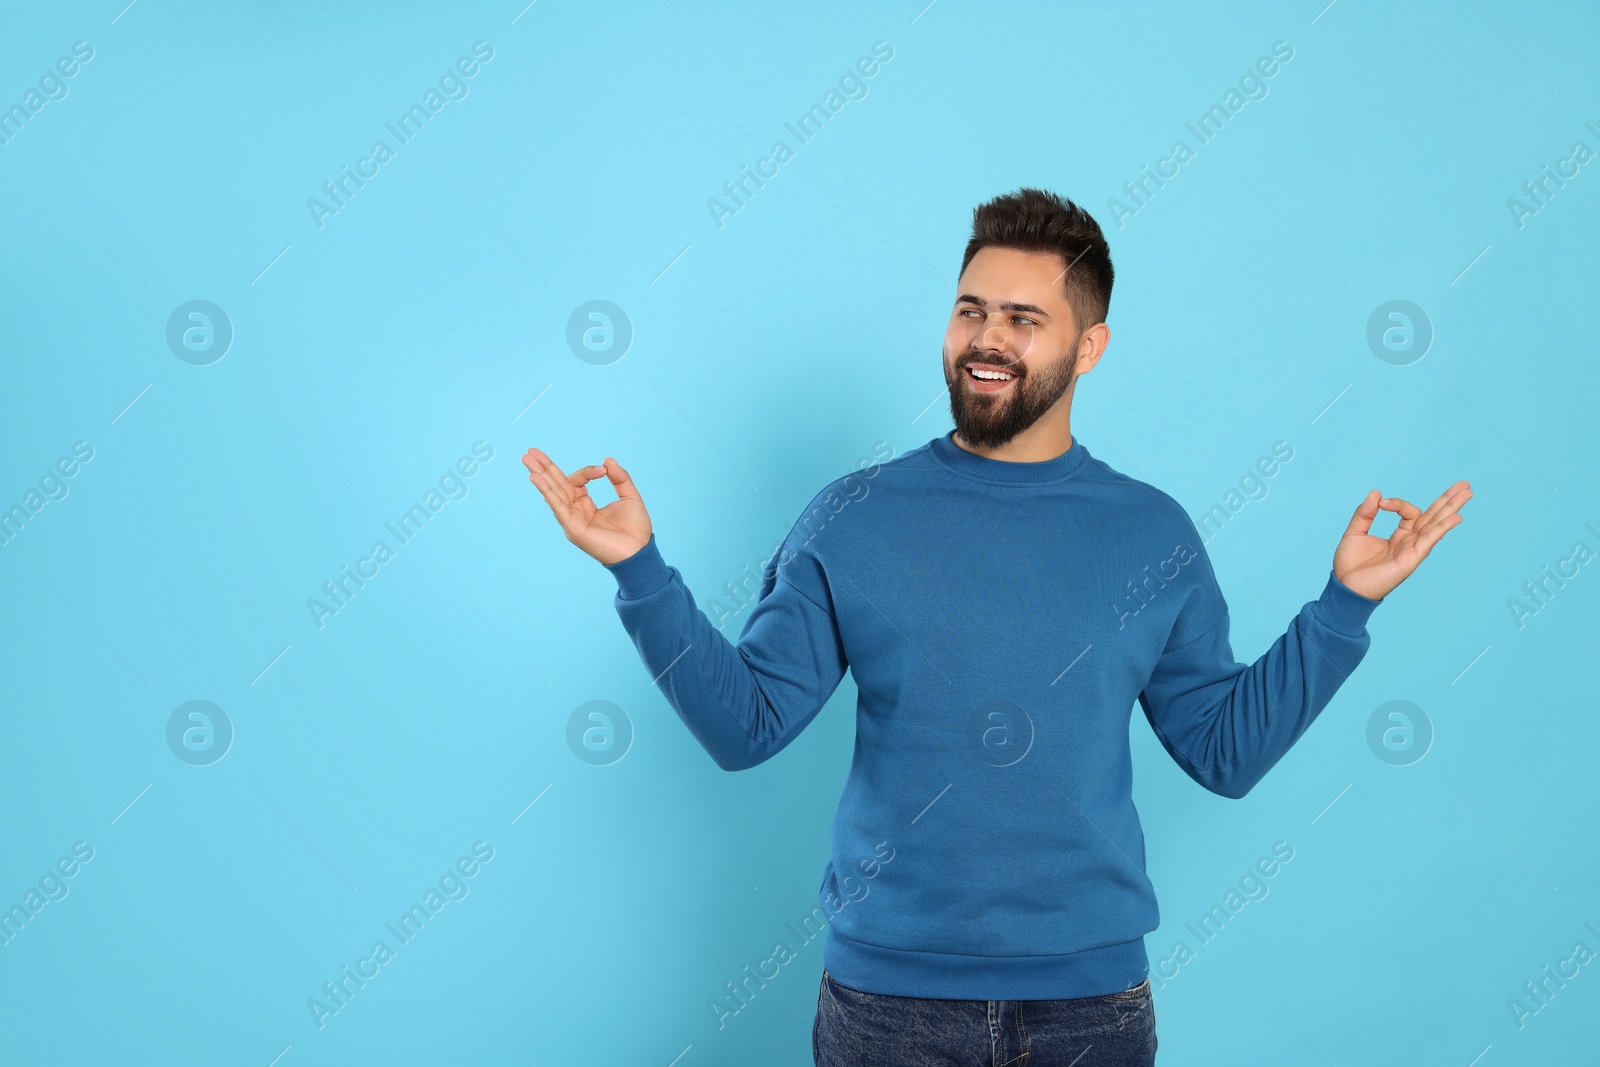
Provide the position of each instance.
(1002, 599)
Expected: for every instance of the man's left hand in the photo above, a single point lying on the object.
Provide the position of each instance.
(1372, 566)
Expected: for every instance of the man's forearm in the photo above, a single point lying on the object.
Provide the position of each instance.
(1228, 724)
(744, 703)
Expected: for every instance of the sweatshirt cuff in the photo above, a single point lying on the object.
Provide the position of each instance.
(1342, 609)
(641, 573)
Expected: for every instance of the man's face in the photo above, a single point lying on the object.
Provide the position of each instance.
(1010, 317)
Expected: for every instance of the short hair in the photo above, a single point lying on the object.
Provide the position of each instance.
(1035, 220)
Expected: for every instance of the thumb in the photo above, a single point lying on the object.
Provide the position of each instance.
(1365, 512)
(620, 480)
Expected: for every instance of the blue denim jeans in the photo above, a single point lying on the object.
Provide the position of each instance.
(854, 1029)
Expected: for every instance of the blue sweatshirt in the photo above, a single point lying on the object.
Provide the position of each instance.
(1000, 620)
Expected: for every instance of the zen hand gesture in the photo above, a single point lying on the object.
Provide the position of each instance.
(1372, 566)
(610, 534)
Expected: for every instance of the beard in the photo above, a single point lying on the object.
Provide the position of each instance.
(990, 420)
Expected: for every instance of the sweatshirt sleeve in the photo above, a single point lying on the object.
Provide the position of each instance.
(1227, 724)
(744, 702)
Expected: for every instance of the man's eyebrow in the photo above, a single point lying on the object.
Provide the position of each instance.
(968, 298)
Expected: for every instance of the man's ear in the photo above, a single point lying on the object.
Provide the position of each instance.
(1091, 346)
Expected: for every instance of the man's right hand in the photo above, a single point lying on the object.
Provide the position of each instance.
(610, 534)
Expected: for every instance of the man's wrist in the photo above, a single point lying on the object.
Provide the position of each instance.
(1342, 609)
(641, 573)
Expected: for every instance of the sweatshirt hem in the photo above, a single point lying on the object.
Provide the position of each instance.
(951, 976)
(1344, 610)
(641, 573)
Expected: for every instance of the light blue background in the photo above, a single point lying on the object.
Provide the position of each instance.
(769, 356)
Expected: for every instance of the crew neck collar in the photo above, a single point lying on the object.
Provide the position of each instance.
(1009, 472)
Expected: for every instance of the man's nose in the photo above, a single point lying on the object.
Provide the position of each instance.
(993, 336)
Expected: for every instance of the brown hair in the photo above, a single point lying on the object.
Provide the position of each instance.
(1034, 220)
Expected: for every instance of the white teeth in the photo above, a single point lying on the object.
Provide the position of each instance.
(990, 375)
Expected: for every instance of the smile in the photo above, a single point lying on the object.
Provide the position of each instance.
(988, 379)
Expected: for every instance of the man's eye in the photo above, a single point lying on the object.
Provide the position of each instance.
(1020, 319)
